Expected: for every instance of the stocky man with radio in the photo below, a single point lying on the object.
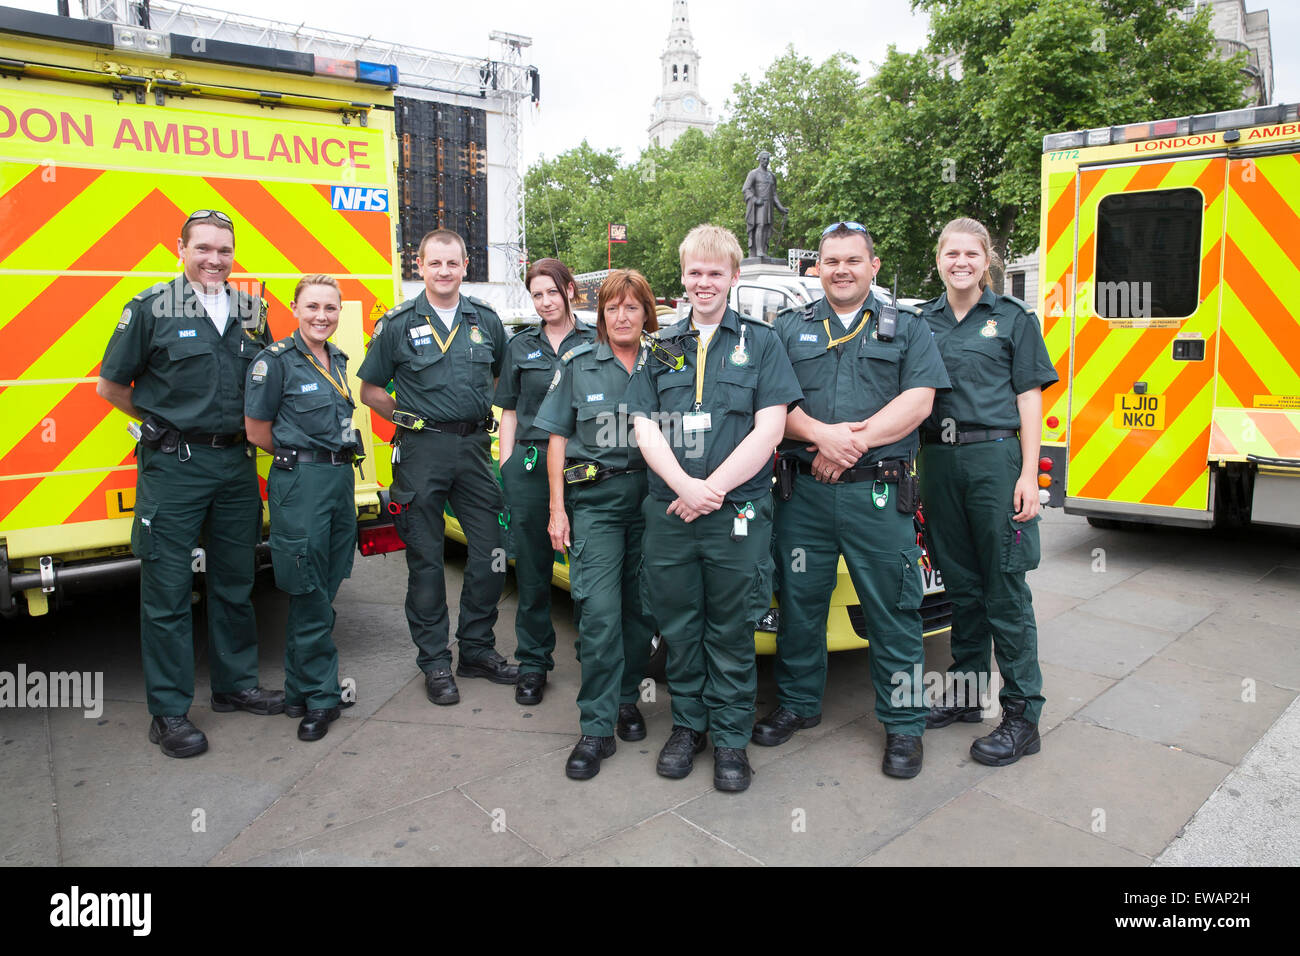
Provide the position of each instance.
(177, 361)
(847, 486)
(443, 353)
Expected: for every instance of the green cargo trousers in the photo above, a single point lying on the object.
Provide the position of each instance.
(529, 500)
(983, 555)
(213, 496)
(313, 541)
(434, 468)
(818, 524)
(604, 579)
(708, 592)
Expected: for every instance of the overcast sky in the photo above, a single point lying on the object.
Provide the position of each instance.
(599, 61)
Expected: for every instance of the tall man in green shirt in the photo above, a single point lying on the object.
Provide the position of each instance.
(708, 430)
(177, 362)
(851, 441)
(443, 352)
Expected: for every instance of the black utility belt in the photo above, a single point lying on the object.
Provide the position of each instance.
(461, 428)
(889, 472)
(289, 458)
(159, 437)
(578, 472)
(972, 437)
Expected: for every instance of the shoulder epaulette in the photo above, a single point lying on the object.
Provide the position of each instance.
(280, 346)
(577, 350)
(1023, 305)
(909, 309)
(481, 303)
(754, 321)
(156, 289)
(398, 309)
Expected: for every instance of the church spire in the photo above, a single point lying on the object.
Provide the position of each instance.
(679, 106)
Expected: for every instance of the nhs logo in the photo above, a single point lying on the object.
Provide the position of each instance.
(359, 198)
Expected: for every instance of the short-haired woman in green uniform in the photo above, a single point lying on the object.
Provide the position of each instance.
(298, 407)
(978, 471)
(597, 470)
(530, 363)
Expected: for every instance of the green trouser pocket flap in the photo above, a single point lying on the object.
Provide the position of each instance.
(144, 544)
(911, 587)
(291, 562)
(577, 582)
(1021, 547)
(401, 510)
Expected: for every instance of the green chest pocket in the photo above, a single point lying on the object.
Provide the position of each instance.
(879, 370)
(810, 367)
(313, 414)
(598, 426)
(734, 391)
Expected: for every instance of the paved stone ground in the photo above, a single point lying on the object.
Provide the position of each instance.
(1168, 655)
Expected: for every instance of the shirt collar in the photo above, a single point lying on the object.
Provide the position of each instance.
(331, 349)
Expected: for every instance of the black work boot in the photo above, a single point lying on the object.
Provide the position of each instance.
(584, 761)
(941, 715)
(780, 725)
(903, 756)
(678, 755)
(731, 770)
(1013, 738)
(631, 725)
(176, 736)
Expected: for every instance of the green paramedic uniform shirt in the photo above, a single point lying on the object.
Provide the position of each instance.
(184, 373)
(587, 405)
(1000, 335)
(527, 374)
(745, 369)
(309, 407)
(854, 380)
(454, 385)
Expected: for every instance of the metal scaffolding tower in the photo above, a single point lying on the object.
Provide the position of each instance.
(513, 81)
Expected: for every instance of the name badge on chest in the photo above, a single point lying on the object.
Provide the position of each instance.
(697, 422)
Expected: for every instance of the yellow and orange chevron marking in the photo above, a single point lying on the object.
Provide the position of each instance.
(76, 244)
(1268, 433)
(1259, 342)
(1165, 467)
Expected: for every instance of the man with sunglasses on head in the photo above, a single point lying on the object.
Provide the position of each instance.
(869, 370)
(177, 362)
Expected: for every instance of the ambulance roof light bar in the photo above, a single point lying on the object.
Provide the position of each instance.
(1203, 123)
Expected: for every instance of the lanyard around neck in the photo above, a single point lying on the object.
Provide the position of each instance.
(437, 338)
(329, 377)
(832, 341)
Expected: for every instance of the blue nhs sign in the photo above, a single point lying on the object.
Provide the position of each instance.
(361, 198)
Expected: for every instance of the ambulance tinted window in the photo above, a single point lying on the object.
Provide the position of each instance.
(1149, 254)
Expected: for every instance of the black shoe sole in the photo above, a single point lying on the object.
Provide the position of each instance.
(900, 774)
(630, 735)
(270, 711)
(1032, 748)
(582, 774)
(470, 669)
(769, 741)
(446, 700)
(676, 773)
(971, 718)
(731, 786)
(194, 751)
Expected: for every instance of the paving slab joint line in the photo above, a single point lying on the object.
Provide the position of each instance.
(917, 823)
(315, 836)
(1214, 670)
(509, 829)
(54, 793)
(717, 839)
(1147, 740)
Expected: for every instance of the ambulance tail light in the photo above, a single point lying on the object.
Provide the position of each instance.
(1044, 464)
(1053, 421)
(378, 539)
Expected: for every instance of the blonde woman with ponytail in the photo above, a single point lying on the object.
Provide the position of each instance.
(978, 471)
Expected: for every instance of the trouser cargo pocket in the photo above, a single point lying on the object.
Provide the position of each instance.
(291, 562)
(1021, 547)
(144, 544)
(911, 588)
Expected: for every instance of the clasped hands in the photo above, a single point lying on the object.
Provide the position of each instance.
(839, 446)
